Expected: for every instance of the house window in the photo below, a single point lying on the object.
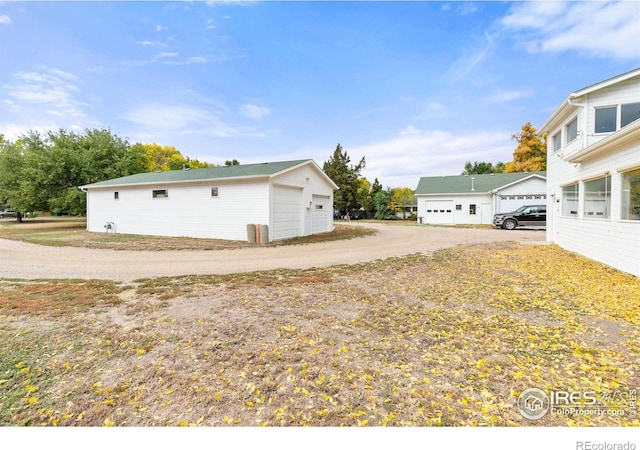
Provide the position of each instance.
(458, 207)
(606, 119)
(116, 195)
(629, 113)
(319, 207)
(160, 193)
(214, 191)
(631, 195)
(572, 130)
(597, 198)
(570, 200)
(472, 209)
(557, 141)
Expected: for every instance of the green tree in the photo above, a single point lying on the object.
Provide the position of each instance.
(231, 162)
(345, 175)
(401, 198)
(43, 173)
(531, 153)
(384, 206)
(482, 167)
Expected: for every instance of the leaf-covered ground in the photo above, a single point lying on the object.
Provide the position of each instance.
(449, 339)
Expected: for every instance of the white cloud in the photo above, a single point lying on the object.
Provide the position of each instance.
(254, 111)
(167, 121)
(54, 86)
(401, 160)
(472, 57)
(601, 29)
(5, 20)
(506, 96)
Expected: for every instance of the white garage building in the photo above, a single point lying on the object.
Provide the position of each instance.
(293, 198)
(474, 199)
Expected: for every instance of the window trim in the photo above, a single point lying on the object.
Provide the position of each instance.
(577, 200)
(557, 141)
(155, 193)
(607, 211)
(595, 122)
(567, 128)
(622, 173)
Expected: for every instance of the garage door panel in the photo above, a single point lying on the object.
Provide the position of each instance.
(321, 216)
(508, 203)
(287, 212)
(439, 212)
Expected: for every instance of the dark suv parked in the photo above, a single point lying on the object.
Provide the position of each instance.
(528, 215)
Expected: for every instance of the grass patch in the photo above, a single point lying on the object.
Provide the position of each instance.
(449, 339)
(72, 233)
(57, 296)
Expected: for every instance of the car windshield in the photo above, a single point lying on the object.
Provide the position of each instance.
(521, 209)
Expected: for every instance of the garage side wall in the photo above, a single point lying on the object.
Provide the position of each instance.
(188, 210)
(316, 199)
(455, 209)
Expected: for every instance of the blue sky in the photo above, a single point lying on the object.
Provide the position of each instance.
(418, 88)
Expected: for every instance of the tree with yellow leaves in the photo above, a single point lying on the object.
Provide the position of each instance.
(531, 153)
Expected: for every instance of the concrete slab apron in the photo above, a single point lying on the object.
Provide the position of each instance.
(22, 260)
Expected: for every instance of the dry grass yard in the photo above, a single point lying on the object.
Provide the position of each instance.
(448, 339)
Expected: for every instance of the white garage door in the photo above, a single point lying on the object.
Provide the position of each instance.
(287, 213)
(508, 203)
(439, 212)
(321, 217)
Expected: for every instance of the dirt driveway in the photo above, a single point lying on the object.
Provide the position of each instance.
(22, 260)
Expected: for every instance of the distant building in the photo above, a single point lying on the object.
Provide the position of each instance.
(293, 198)
(474, 199)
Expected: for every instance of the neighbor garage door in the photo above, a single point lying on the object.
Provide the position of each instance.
(321, 216)
(439, 212)
(508, 203)
(287, 213)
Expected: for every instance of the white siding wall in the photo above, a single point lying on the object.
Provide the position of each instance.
(484, 215)
(190, 210)
(610, 241)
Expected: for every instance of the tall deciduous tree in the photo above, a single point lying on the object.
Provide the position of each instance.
(482, 167)
(531, 153)
(43, 173)
(345, 175)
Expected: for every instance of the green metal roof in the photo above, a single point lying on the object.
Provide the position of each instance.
(219, 173)
(461, 184)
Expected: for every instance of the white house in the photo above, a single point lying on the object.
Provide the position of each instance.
(474, 199)
(292, 198)
(593, 172)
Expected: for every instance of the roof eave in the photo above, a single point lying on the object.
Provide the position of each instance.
(193, 181)
(621, 137)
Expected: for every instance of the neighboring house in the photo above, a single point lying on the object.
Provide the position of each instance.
(293, 198)
(474, 199)
(593, 172)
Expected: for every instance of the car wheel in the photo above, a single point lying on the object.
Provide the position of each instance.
(509, 224)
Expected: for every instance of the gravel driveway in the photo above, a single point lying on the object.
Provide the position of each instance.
(22, 260)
